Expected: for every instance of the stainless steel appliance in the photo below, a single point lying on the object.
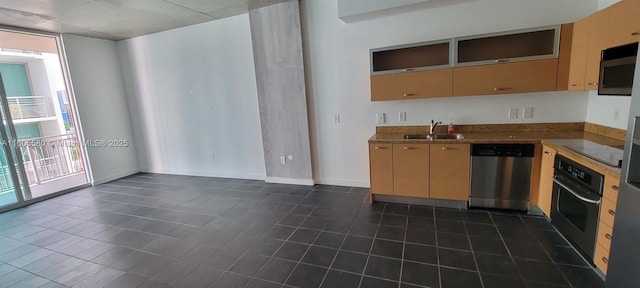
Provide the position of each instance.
(577, 194)
(601, 153)
(501, 175)
(624, 258)
(617, 67)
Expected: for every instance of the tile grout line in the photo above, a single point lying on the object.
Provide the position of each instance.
(548, 255)
(364, 270)
(473, 255)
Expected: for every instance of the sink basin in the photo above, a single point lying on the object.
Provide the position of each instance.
(434, 136)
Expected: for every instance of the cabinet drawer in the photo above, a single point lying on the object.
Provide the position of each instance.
(411, 85)
(521, 77)
(607, 211)
(601, 258)
(604, 235)
(611, 188)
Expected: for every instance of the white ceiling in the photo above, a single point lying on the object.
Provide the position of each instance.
(118, 19)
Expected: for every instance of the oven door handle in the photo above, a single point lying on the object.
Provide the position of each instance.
(575, 194)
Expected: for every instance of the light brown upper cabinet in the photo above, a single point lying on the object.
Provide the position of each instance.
(518, 77)
(412, 71)
(420, 84)
(578, 57)
(598, 24)
(624, 22)
(504, 47)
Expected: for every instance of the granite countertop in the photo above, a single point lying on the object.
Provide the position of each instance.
(555, 140)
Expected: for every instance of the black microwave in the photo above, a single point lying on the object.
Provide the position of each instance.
(617, 66)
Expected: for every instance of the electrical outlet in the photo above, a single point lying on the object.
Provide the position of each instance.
(513, 113)
(336, 118)
(527, 112)
(402, 116)
(616, 114)
(380, 118)
(213, 156)
(283, 160)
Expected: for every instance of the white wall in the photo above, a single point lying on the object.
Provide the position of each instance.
(102, 107)
(338, 79)
(192, 94)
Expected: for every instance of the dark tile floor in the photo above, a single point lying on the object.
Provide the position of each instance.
(152, 230)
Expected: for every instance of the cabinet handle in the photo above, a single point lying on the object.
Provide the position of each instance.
(575, 85)
(635, 33)
(380, 148)
(449, 148)
(608, 236)
(605, 260)
(408, 69)
(500, 89)
(593, 84)
(612, 213)
(614, 187)
(409, 148)
(502, 61)
(548, 153)
(409, 94)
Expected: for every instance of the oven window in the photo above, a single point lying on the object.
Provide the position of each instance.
(619, 76)
(573, 209)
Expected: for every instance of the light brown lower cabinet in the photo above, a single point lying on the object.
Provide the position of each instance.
(411, 170)
(438, 171)
(546, 179)
(607, 217)
(450, 171)
(380, 159)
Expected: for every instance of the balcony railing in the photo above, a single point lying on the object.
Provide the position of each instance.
(52, 157)
(28, 107)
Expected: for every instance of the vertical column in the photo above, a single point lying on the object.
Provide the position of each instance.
(277, 52)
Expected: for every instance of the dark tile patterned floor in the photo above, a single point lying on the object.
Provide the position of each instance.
(152, 230)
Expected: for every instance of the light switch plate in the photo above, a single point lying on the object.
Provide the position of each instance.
(402, 116)
(527, 112)
(380, 119)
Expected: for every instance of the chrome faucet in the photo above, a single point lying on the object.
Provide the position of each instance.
(432, 128)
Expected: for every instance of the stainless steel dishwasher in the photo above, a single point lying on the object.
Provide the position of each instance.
(501, 175)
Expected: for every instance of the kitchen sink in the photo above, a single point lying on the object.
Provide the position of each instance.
(434, 136)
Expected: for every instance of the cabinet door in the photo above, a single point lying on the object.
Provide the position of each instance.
(578, 62)
(381, 168)
(449, 174)
(625, 22)
(546, 180)
(411, 85)
(411, 170)
(520, 77)
(598, 41)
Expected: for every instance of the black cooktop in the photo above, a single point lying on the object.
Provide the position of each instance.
(601, 153)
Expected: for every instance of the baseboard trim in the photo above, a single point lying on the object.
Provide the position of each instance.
(216, 174)
(114, 177)
(294, 181)
(342, 182)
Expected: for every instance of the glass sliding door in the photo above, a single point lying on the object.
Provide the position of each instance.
(38, 117)
(10, 193)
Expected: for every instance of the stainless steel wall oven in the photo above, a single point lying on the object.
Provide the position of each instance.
(577, 194)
